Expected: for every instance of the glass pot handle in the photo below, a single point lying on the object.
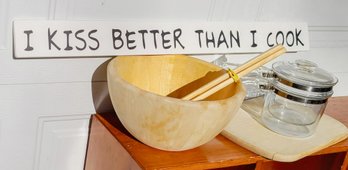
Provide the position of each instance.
(258, 83)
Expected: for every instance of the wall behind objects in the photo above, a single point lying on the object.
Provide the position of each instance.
(45, 104)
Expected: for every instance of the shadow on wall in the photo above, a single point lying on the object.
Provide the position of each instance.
(101, 98)
(100, 92)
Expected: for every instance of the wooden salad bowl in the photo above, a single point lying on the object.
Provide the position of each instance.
(139, 87)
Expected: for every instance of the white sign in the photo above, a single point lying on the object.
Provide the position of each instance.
(34, 39)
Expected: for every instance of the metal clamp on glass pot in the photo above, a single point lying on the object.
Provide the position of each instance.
(289, 99)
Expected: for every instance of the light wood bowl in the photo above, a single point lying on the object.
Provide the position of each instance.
(139, 85)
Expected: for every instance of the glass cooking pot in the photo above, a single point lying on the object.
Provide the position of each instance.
(292, 100)
(288, 99)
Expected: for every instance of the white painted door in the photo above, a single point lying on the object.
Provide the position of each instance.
(45, 104)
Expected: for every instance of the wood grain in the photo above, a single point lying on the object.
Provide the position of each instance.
(105, 152)
(138, 86)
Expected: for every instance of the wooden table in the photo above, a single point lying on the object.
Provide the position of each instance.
(110, 146)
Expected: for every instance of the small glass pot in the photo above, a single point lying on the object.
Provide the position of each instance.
(297, 98)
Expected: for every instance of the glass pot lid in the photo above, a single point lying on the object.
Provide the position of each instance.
(304, 75)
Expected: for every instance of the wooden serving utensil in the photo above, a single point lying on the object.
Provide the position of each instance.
(225, 78)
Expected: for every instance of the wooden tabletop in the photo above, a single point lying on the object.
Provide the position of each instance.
(220, 150)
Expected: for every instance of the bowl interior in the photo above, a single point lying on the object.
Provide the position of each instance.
(170, 75)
